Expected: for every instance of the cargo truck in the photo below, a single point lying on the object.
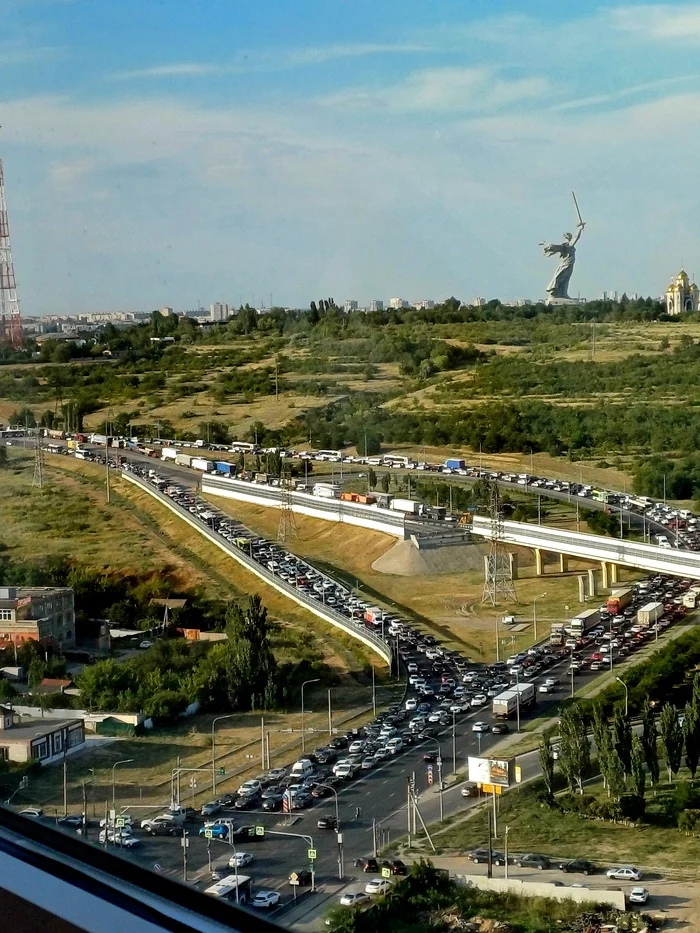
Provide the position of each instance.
(223, 467)
(583, 623)
(168, 453)
(326, 490)
(183, 459)
(201, 463)
(557, 634)
(505, 705)
(619, 599)
(406, 505)
(454, 464)
(650, 613)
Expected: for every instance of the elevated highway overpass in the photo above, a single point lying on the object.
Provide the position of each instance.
(610, 553)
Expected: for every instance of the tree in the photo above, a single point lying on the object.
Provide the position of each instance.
(574, 749)
(649, 741)
(3, 457)
(616, 774)
(385, 480)
(251, 669)
(547, 762)
(672, 738)
(372, 478)
(639, 777)
(603, 741)
(623, 738)
(691, 735)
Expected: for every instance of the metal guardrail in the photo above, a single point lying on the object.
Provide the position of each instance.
(327, 613)
(595, 547)
(335, 507)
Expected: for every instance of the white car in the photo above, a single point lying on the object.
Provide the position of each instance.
(250, 789)
(479, 699)
(382, 752)
(350, 898)
(36, 813)
(146, 644)
(369, 762)
(395, 745)
(265, 899)
(545, 688)
(344, 771)
(123, 838)
(377, 886)
(638, 896)
(410, 704)
(625, 873)
(480, 727)
(356, 747)
(240, 860)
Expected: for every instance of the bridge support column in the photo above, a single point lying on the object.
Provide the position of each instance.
(582, 588)
(604, 575)
(513, 561)
(539, 562)
(563, 563)
(614, 571)
(592, 583)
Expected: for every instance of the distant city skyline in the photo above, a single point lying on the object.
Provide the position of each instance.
(372, 149)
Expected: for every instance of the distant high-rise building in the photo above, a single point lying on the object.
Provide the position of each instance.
(350, 305)
(166, 311)
(396, 303)
(10, 319)
(376, 304)
(424, 304)
(218, 311)
(479, 302)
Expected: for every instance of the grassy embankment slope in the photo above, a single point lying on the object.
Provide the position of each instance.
(134, 536)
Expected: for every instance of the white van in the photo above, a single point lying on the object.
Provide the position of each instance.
(303, 768)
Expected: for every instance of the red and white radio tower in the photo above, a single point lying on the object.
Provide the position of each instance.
(10, 320)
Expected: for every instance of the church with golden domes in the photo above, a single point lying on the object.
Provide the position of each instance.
(681, 295)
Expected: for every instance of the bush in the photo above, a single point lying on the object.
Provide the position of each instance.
(689, 821)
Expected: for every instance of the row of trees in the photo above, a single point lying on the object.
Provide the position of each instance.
(625, 759)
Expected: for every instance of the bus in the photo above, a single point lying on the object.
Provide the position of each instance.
(242, 447)
(332, 456)
(393, 460)
(226, 888)
(600, 495)
(54, 449)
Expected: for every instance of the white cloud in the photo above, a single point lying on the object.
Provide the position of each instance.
(261, 60)
(625, 92)
(444, 90)
(671, 21)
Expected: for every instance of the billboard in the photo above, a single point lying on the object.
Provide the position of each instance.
(498, 771)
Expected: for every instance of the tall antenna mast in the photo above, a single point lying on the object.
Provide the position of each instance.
(11, 330)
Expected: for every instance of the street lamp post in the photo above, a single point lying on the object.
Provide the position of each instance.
(235, 864)
(627, 694)
(213, 750)
(303, 733)
(534, 616)
(517, 699)
(341, 867)
(124, 761)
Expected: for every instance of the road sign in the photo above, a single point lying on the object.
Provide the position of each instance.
(208, 834)
(222, 772)
(439, 762)
(24, 783)
(185, 842)
(121, 822)
(285, 803)
(492, 789)
(312, 854)
(518, 774)
(386, 872)
(157, 868)
(259, 830)
(193, 782)
(430, 775)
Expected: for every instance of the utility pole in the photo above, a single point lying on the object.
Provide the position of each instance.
(330, 714)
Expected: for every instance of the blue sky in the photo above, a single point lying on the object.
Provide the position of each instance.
(169, 152)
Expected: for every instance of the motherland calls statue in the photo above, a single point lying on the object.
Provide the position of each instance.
(558, 288)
